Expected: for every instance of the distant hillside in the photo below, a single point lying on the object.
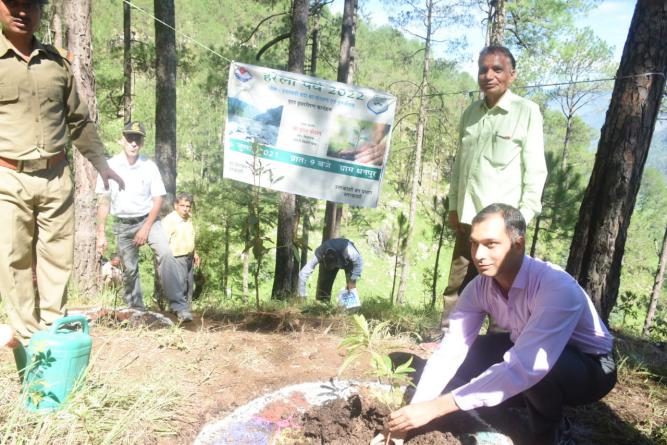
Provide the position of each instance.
(657, 155)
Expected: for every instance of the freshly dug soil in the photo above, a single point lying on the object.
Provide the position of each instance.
(358, 419)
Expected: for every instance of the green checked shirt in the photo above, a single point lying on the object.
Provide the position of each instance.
(500, 158)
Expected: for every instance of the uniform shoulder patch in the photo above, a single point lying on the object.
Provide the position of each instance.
(66, 54)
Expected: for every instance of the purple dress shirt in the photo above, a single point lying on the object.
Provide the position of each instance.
(545, 310)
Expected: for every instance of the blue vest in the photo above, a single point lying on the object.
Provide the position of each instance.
(338, 245)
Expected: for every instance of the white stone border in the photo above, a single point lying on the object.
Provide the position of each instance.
(315, 393)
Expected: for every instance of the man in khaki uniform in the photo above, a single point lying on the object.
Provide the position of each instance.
(40, 113)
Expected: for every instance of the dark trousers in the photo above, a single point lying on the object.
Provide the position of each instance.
(325, 281)
(575, 379)
(461, 272)
(186, 274)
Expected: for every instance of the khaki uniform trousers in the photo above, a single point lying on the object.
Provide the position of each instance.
(37, 226)
(461, 272)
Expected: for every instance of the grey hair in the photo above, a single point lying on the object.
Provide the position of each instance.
(498, 49)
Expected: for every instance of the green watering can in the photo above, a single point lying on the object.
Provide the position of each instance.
(53, 362)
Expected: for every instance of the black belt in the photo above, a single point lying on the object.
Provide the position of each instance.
(132, 220)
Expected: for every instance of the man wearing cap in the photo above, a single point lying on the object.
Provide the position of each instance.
(41, 114)
(333, 255)
(136, 210)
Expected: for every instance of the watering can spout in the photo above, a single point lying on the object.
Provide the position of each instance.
(21, 355)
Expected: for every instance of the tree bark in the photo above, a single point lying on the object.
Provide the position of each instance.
(566, 141)
(421, 125)
(285, 278)
(347, 41)
(436, 266)
(599, 239)
(315, 45)
(79, 39)
(305, 229)
(127, 63)
(165, 96)
(657, 287)
(245, 259)
(538, 223)
(333, 211)
(497, 34)
(57, 24)
(225, 267)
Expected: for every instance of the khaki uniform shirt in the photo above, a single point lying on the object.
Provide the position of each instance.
(500, 158)
(40, 109)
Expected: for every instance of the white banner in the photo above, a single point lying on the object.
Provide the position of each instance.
(307, 136)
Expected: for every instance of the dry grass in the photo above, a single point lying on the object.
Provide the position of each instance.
(103, 410)
(144, 386)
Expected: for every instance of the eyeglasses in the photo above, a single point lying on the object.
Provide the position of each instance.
(137, 138)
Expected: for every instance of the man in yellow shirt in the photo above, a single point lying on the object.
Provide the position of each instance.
(500, 159)
(181, 235)
(41, 113)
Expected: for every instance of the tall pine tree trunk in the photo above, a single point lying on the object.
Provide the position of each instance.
(657, 287)
(315, 45)
(76, 17)
(421, 125)
(127, 62)
(599, 239)
(57, 23)
(165, 114)
(536, 234)
(332, 215)
(286, 274)
(225, 266)
(333, 211)
(165, 96)
(304, 203)
(441, 209)
(569, 128)
(497, 34)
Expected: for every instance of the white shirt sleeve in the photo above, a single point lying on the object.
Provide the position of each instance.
(352, 254)
(465, 322)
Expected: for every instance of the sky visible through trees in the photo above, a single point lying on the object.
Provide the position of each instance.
(388, 59)
(610, 21)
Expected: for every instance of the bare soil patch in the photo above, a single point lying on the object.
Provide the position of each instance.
(356, 420)
(215, 367)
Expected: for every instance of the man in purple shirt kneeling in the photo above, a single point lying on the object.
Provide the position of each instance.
(557, 350)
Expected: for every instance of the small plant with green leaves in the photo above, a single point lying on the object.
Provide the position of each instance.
(375, 339)
(257, 239)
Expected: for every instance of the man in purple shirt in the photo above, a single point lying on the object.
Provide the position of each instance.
(557, 350)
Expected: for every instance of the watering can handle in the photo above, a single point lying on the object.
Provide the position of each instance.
(81, 319)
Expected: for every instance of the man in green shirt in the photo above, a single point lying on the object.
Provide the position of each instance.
(500, 159)
(41, 113)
